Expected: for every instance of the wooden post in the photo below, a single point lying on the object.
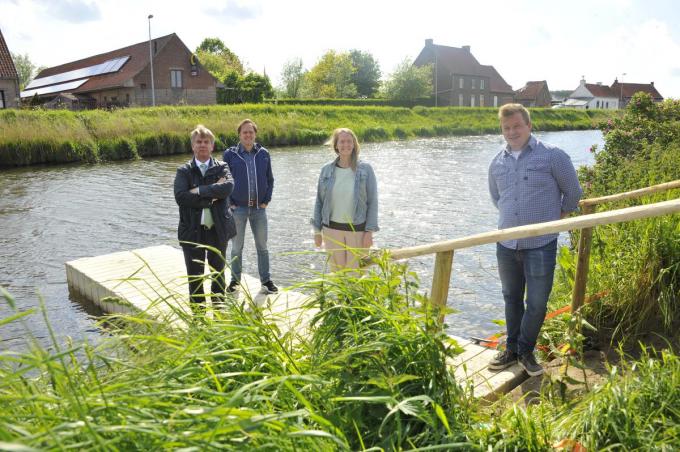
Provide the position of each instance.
(443, 264)
(582, 264)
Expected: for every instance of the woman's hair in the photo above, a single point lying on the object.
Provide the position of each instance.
(203, 132)
(244, 122)
(355, 151)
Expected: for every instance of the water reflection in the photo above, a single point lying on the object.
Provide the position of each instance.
(430, 189)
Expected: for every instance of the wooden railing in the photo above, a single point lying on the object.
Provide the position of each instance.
(444, 250)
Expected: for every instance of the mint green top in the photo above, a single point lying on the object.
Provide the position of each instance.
(342, 196)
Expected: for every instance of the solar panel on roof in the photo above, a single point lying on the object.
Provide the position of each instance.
(106, 67)
(53, 89)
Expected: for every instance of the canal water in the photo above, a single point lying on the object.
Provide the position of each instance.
(429, 190)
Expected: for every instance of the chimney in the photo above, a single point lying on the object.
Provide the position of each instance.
(599, 83)
(583, 80)
(466, 48)
(429, 42)
(652, 84)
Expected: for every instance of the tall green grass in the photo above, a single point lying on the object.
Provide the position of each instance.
(34, 137)
(368, 372)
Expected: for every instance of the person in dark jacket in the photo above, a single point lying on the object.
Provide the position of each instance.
(251, 167)
(202, 187)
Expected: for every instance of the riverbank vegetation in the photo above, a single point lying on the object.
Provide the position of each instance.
(39, 136)
(369, 371)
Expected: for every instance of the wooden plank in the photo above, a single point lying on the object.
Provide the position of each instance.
(145, 293)
(631, 194)
(441, 279)
(582, 264)
(550, 227)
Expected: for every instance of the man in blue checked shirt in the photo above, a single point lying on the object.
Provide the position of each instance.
(530, 182)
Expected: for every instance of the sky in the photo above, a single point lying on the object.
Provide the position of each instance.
(557, 41)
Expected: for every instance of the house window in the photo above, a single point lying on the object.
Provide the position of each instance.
(474, 83)
(481, 99)
(460, 83)
(175, 79)
(2, 99)
(495, 101)
(481, 84)
(597, 104)
(606, 104)
(127, 99)
(460, 100)
(472, 100)
(142, 85)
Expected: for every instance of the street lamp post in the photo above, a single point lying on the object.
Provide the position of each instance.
(153, 91)
(621, 91)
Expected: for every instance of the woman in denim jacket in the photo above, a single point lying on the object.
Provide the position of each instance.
(346, 209)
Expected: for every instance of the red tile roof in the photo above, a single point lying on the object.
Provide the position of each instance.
(601, 90)
(139, 59)
(628, 89)
(531, 90)
(460, 61)
(7, 68)
(496, 82)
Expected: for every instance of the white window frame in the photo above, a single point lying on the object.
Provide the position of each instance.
(481, 100)
(481, 84)
(472, 100)
(2, 100)
(176, 78)
(474, 83)
(495, 101)
(460, 100)
(460, 83)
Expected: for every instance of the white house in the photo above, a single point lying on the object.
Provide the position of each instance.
(593, 96)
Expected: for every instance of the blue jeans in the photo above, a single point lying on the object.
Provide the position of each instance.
(258, 225)
(529, 271)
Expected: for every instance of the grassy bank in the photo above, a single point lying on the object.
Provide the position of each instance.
(35, 137)
(370, 375)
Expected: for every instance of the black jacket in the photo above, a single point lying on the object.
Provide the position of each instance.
(191, 205)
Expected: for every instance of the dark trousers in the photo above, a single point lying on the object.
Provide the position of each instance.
(194, 258)
(527, 272)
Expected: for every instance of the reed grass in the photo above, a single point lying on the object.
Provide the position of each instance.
(369, 372)
(37, 136)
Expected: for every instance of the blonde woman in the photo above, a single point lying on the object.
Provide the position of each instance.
(346, 208)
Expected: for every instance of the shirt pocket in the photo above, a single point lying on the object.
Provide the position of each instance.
(501, 175)
(539, 175)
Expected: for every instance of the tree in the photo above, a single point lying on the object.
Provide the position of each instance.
(292, 76)
(332, 76)
(238, 89)
(409, 82)
(367, 73)
(255, 88)
(25, 68)
(217, 59)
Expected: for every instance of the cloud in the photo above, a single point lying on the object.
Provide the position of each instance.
(73, 11)
(233, 12)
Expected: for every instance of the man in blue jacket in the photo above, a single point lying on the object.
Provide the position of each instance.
(251, 167)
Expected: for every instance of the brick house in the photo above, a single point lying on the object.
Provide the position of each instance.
(9, 79)
(624, 91)
(534, 94)
(122, 77)
(460, 80)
